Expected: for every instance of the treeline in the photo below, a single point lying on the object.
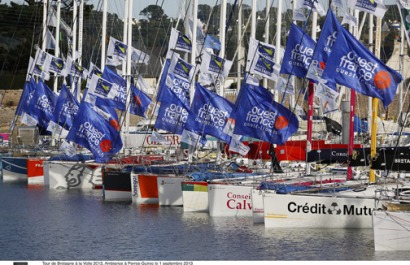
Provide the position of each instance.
(21, 27)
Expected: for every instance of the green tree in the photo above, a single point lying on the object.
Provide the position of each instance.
(153, 12)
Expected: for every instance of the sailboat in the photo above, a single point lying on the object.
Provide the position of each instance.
(330, 208)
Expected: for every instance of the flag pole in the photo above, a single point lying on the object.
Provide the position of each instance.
(375, 102)
(311, 94)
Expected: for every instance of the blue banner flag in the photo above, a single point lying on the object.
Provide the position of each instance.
(178, 86)
(118, 92)
(353, 65)
(96, 130)
(210, 113)
(258, 115)
(139, 102)
(212, 42)
(179, 41)
(298, 53)
(66, 108)
(172, 114)
(324, 48)
(163, 78)
(42, 104)
(26, 96)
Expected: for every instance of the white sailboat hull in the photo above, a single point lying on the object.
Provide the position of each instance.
(72, 175)
(169, 191)
(229, 200)
(195, 196)
(257, 206)
(391, 231)
(291, 211)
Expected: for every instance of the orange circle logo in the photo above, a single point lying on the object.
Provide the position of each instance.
(281, 122)
(382, 80)
(114, 123)
(105, 145)
(322, 65)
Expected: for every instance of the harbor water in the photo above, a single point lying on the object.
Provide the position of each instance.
(41, 224)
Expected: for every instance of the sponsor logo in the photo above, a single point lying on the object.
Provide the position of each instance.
(354, 66)
(239, 201)
(266, 52)
(332, 209)
(44, 104)
(93, 135)
(216, 64)
(120, 49)
(301, 56)
(210, 115)
(182, 69)
(183, 43)
(175, 114)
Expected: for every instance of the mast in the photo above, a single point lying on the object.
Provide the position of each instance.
(80, 44)
(253, 20)
(375, 102)
(267, 24)
(311, 94)
(352, 111)
(240, 53)
(129, 53)
(45, 9)
(401, 69)
(103, 34)
(194, 45)
(74, 41)
(278, 37)
(57, 48)
(369, 104)
(222, 32)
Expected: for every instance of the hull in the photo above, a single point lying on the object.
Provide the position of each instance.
(169, 190)
(257, 206)
(145, 139)
(291, 211)
(116, 186)
(72, 175)
(391, 231)
(195, 196)
(14, 168)
(144, 189)
(229, 200)
(35, 172)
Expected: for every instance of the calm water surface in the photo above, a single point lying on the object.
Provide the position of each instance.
(41, 224)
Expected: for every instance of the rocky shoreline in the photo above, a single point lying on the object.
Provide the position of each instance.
(8, 104)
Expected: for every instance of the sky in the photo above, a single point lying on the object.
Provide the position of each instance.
(172, 7)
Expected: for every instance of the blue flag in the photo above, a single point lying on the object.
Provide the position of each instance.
(66, 108)
(258, 115)
(179, 41)
(118, 92)
(210, 113)
(324, 48)
(179, 87)
(42, 104)
(139, 102)
(163, 79)
(172, 114)
(26, 96)
(212, 42)
(354, 66)
(298, 53)
(97, 131)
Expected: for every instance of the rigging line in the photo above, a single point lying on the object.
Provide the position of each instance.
(12, 125)
(165, 73)
(398, 139)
